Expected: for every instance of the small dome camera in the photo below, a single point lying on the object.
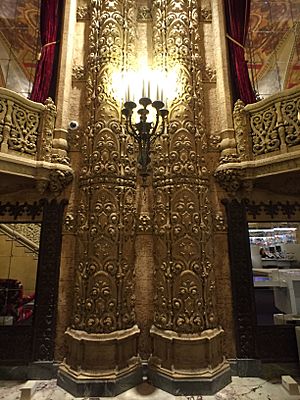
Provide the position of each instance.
(73, 125)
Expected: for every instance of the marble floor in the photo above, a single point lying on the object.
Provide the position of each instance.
(240, 388)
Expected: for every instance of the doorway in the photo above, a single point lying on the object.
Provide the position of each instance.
(31, 246)
(257, 311)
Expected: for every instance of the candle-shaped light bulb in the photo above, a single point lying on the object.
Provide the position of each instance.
(144, 89)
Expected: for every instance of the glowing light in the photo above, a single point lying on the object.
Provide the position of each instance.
(154, 84)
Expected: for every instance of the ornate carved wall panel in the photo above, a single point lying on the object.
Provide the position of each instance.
(182, 217)
(104, 296)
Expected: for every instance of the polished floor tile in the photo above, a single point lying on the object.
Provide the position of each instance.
(239, 389)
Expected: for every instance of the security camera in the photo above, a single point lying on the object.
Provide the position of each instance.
(73, 125)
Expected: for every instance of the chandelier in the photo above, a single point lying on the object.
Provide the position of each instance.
(144, 132)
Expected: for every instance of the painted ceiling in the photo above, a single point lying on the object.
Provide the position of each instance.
(19, 42)
(273, 50)
(273, 47)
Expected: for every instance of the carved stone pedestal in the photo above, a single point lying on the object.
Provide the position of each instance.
(100, 364)
(188, 363)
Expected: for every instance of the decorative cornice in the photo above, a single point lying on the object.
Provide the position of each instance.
(272, 210)
(17, 210)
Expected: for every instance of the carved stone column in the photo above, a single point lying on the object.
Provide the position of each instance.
(102, 340)
(187, 339)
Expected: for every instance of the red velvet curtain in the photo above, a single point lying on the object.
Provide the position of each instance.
(238, 13)
(49, 22)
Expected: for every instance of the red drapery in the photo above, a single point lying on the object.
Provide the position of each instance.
(49, 22)
(238, 13)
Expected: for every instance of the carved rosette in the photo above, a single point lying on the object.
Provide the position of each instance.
(184, 275)
(104, 292)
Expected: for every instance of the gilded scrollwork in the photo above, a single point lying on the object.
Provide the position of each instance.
(104, 292)
(184, 274)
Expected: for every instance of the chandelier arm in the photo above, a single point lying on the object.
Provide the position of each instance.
(131, 129)
(160, 132)
(155, 127)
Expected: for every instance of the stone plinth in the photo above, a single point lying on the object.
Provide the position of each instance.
(188, 363)
(100, 364)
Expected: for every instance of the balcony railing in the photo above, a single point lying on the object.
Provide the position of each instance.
(269, 127)
(26, 127)
(30, 146)
(265, 140)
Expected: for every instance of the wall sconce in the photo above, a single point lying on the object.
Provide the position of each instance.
(145, 133)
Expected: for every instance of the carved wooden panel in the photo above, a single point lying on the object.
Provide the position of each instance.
(104, 294)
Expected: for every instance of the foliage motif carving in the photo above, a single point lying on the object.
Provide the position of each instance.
(104, 295)
(24, 130)
(184, 275)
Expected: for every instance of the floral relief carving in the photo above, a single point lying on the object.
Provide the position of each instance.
(184, 276)
(104, 291)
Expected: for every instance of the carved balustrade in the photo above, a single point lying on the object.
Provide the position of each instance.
(26, 127)
(30, 146)
(266, 141)
(271, 125)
